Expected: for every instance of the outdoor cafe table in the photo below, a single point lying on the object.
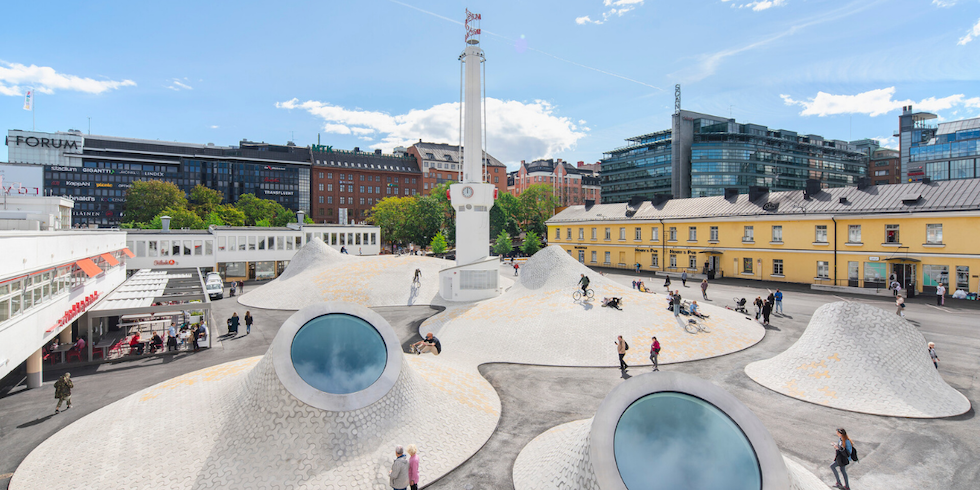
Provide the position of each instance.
(62, 349)
(105, 345)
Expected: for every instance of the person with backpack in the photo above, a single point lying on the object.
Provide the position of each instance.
(844, 453)
(62, 391)
(621, 348)
(248, 322)
(654, 353)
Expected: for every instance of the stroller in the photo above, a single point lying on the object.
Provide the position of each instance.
(740, 305)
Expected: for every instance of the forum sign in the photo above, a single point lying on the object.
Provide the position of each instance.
(37, 148)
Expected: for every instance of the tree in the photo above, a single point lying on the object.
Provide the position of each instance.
(448, 213)
(438, 244)
(503, 245)
(213, 218)
(509, 207)
(308, 220)
(256, 209)
(230, 215)
(146, 199)
(531, 243)
(205, 200)
(264, 223)
(391, 215)
(180, 217)
(424, 220)
(537, 204)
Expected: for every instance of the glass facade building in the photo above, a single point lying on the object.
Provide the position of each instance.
(950, 151)
(110, 165)
(703, 155)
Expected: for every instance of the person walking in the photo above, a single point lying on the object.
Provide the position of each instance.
(677, 302)
(940, 295)
(637, 267)
(62, 391)
(704, 289)
(667, 284)
(896, 288)
(248, 322)
(398, 476)
(233, 324)
(778, 305)
(758, 307)
(766, 311)
(900, 306)
(842, 456)
(655, 353)
(413, 466)
(621, 348)
(684, 278)
(933, 355)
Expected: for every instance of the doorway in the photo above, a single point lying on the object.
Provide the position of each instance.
(905, 275)
(853, 276)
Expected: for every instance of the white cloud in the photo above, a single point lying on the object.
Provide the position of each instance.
(944, 3)
(887, 142)
(759, 5)
(177, 85)
(972, 33)
(515, 130)
(624, 7)
(873, 103)
(214, 126)
(15, 78)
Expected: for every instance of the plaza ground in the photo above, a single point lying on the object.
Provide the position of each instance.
(895, 452)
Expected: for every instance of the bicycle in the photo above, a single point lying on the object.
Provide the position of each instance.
(577, 295)
(695, 325)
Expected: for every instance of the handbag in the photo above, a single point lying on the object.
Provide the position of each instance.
(842, 457)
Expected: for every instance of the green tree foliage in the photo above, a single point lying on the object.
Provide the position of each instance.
(263, 223)
(510, 207)
(205, 200)
(537, 204)
(424, 220)
(391, 216)
(531, 243)
(145, 199)
(180, 217)
(448, 226)
(213, 218)
(308, 220)
(438, 244)
(503, 245)
(256, 210)
(230, 215)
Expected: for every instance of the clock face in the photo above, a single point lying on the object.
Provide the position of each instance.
(467, 191)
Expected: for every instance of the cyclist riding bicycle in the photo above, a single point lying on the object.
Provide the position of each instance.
(418, 276)
(584, 281)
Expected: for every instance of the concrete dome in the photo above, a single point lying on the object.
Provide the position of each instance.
(863, 359)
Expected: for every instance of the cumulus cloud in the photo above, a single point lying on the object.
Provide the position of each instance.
(887, 142)
(974, 32)
(15, 78)
(177, 85)
(616, 9)
(515, 130)
(944, 3)
(874, 103)
(758, 5)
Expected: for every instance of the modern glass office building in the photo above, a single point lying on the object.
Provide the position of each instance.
(703, 155)
(950, 151)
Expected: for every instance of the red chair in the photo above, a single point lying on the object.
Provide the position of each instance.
(97, 353)
(46, 355)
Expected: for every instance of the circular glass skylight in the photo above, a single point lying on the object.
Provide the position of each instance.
(338, 353)
(677, 441)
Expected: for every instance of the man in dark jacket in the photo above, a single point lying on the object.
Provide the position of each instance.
(62, 391)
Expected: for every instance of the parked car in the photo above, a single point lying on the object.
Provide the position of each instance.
(215, 289)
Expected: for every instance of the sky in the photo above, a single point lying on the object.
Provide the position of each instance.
(565, 79)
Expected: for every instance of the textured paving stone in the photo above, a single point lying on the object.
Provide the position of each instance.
(863, 359)
(537, 322)
(236, 426)
(559, 460)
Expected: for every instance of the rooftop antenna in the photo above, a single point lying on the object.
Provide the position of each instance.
(677, 99)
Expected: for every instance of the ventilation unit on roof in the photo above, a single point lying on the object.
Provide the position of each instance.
(756, 192)
(842, 200)
(589, 203)
(659, 199)
(812, 187)
(634, 205)
(730, 192)
(910, 199)
(863, 183)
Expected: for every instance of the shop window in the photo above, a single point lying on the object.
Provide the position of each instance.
(164, 248)
(963, 277)
(934, 275)
(654, 260)
(747, 266)
(198, 249)
(692, 261)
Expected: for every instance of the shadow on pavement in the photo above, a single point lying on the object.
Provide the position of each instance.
(35, 421)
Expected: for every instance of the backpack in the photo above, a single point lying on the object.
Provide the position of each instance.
(626, 345)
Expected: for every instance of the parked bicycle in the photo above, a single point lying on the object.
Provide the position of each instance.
(695, 325)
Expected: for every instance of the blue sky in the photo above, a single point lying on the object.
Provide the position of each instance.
(565, 79)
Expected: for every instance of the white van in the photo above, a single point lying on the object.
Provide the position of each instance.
(215, 289)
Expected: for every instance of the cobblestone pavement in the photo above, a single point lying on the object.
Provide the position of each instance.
(864, 359)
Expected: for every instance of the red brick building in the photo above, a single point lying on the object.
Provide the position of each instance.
(572, 185)
(885, 167)
(349, 183)
(441, 163)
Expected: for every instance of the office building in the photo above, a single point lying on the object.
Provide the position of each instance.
(705, 155)
(96, 171)
(347, 184)
(884, 164)
(948, 151)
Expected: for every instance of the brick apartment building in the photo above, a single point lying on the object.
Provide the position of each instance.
(441, 163)
(349, 183)
(885, 167)
(572, 185)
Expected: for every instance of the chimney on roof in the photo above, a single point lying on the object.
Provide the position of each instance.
(812, 187)
(300, 217)
(863, 183)
(730, 192)
(757, 191)
(589, 203)
(659, 199)
(165, 224)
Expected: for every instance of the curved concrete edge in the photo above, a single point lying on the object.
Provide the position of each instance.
(861, 359)
(455, 395)
(801, 478)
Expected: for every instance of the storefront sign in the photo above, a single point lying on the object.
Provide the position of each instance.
(72, 183)
(98, 170)
(58, 168)
(267, 179)
(165, 262)
(103, 184)
(689, 252)
(581, 248)
(80, 198)
(279, 193)
(153, 174)
(322, 148)
(645, 250)
(874, 259)
(270, 167)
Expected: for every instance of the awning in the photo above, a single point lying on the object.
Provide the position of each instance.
(712, 252)
(129, 253)
(89, 267)
(110, 259)
(903, 259)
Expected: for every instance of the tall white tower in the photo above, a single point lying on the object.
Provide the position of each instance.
(476, 272)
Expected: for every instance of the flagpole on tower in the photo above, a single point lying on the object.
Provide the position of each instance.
(29, 106)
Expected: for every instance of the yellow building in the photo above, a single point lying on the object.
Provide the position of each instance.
(920, 233)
